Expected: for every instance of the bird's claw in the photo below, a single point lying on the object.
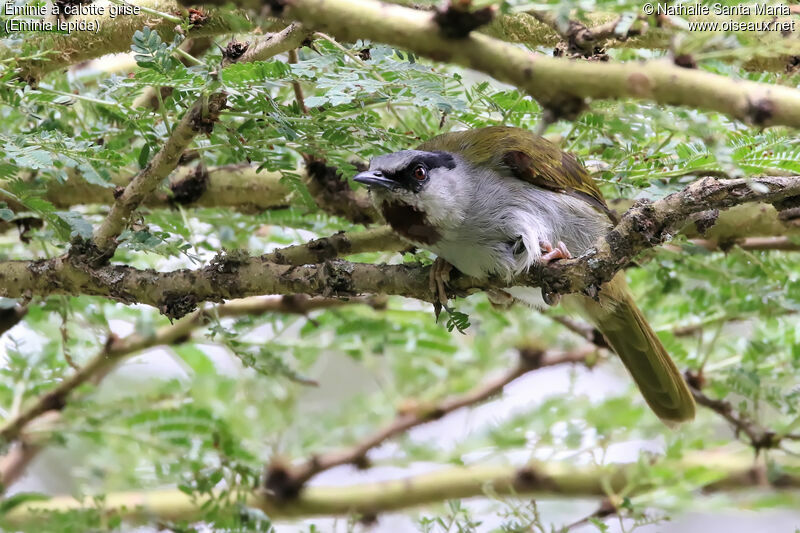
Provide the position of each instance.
(550, 254)
(439, 277)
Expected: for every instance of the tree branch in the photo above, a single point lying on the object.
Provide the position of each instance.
(333, 195)
(381, 239)
(554, 81)
(581, 39)
(296, 87)
(291, 37)
(199, 118)
(551, 479)
(237, 187)
(240, 187)
(759, 437)
(15, 462)
(114, 36)
(649, 224)
(784, 244)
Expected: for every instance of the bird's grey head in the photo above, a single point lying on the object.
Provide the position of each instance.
(415, 189)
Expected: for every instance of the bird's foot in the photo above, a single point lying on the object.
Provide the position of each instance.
(439, 277)
(550, 254)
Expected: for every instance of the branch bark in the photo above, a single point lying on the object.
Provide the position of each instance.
(289, 38)
(381, 239)
(649, 224)
(15, 462)
(759, 438)
(554, 81)
(581, 39)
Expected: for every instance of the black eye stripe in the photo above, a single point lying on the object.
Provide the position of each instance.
(433, 160)
(430, 161)
(404, 176)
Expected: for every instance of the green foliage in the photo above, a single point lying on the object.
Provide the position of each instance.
(206, 413)
(151, 53)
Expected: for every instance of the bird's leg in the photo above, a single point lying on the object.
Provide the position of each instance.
(439, 277)
(550, 254)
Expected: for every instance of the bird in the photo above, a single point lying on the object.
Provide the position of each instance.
(498, 201)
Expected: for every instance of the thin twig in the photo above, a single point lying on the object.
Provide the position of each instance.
(14, 463)
(116, 349)
(298, 89)
(604, 510)
(286, 481)
(759, 437)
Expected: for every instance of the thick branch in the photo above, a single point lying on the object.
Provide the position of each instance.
(289, 38)
(552, 479)
(649, 224)
(240, 187)
(237, 187)
(551, 80)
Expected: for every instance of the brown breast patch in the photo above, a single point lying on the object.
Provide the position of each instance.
(410, 223)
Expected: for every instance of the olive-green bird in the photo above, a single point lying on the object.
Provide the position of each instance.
(499, 200)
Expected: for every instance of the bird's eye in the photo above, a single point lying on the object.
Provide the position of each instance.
(420, 173)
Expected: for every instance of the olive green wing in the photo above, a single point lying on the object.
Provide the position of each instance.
(527, 157)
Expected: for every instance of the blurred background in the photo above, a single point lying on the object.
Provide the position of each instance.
(202, 403)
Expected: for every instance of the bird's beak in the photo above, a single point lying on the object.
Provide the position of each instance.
(374, 178)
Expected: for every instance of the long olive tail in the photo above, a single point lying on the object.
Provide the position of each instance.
(632, 338)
